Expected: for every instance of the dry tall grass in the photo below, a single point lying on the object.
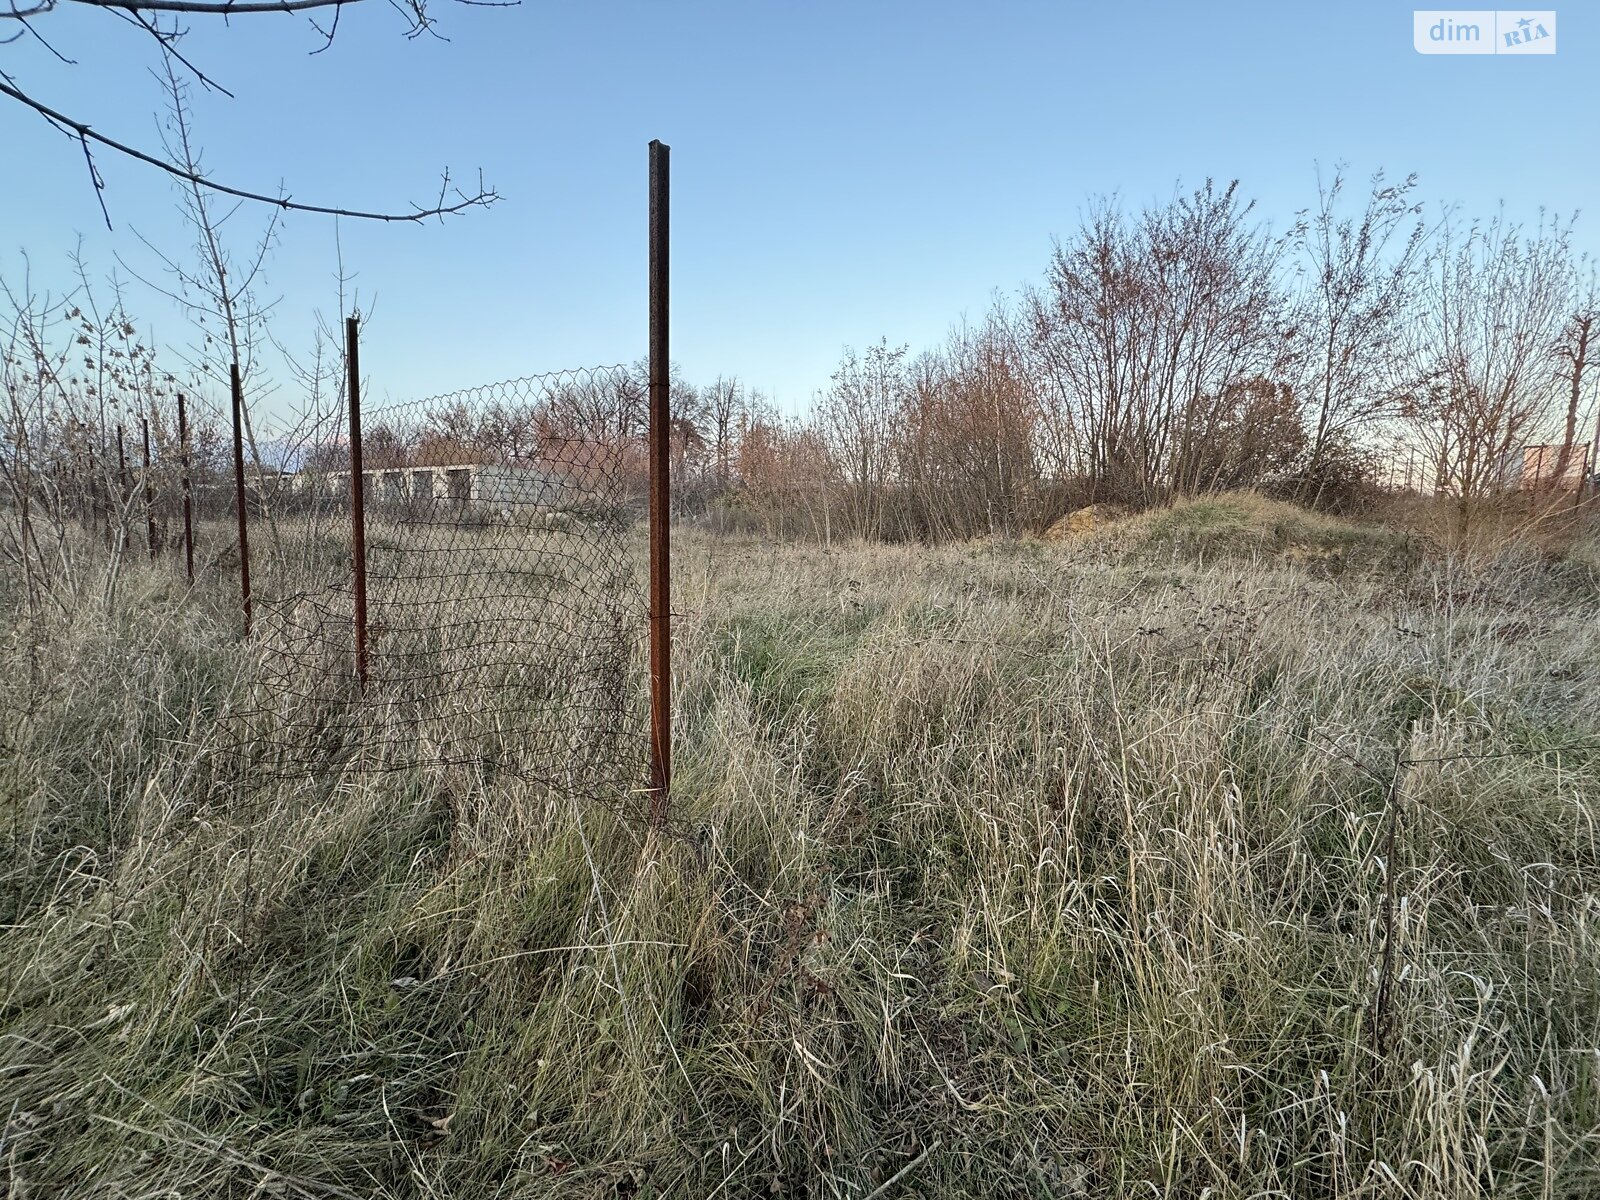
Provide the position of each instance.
(1228, 852)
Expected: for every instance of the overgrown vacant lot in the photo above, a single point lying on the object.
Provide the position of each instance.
(1227, 851)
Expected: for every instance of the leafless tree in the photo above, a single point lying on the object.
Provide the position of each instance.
(966, 459)
(855, 419)
(1145, 324)
(78, 383)
(1358, 275)
(218, 292)
(787, 475)
(1575, 354)
(722, 402)
(1482, 350)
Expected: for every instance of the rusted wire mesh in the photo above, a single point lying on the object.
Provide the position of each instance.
(502, 612)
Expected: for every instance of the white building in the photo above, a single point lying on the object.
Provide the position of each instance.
(492, 485)
(1541, 467)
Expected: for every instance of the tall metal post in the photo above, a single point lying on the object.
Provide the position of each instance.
(124, 491)
(660, 491)
(122, 467)
(239, 496)
(149, 490)
(358, 506)
(188, 498)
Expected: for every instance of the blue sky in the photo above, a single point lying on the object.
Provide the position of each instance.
(841, 171)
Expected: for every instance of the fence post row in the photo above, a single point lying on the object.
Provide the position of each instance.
(238, 494)
(188, 500)
(660, 491)
(358, 508)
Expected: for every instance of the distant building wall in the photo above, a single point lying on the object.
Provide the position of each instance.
(1540, 466)
(518, 486)
(492, 485)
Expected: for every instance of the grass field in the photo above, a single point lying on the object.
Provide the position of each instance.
(1225, 851)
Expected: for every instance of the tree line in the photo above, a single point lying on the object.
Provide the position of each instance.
(1168, 350)
(1186, 347)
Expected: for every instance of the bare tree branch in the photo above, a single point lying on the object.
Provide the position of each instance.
(27, 27)
(416, 11)
(13, 13)
(168, 39)
(226, 9)
(82, 133)
(329, 33)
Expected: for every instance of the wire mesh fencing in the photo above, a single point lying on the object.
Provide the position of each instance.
(495, 623)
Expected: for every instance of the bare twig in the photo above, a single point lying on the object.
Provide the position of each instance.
(168, 39)
(13, 13)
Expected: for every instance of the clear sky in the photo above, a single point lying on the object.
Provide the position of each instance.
(841, 171)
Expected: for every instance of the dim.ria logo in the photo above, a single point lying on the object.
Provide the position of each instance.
(1484, 31)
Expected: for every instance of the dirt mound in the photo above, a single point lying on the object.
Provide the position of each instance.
(1243, 523)
(1089, 519)
(1235, 523)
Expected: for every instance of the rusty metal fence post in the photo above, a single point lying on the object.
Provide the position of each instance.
(239, 494)
(660, 491)
(149, 490)
(123, 489)
(124, 494)
(188, 497)
(358, 507)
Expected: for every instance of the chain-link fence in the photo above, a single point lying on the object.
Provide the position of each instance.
(478, 607)
(495, 620)
(450, 585)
